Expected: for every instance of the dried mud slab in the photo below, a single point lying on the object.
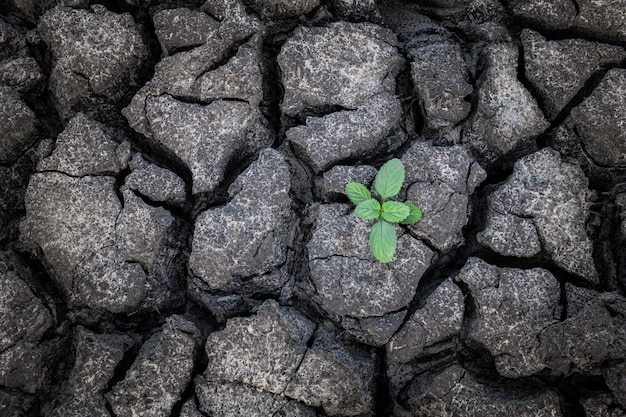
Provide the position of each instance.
(175, 239)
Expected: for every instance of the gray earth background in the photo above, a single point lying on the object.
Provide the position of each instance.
(175, 240)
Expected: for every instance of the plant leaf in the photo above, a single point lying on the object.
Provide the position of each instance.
(415, 214)
(383, 241)
(357, 192)
(368, 209)
(393, 211)
(389, 179)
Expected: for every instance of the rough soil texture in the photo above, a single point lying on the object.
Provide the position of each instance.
(175, 241)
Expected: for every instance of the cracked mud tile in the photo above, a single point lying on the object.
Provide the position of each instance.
(545, 199)
(350, 285)
(96, 53)
(108, 254)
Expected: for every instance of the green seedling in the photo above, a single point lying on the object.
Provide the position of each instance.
(388, 182)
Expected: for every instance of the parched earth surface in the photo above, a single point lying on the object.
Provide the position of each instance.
(175, 241)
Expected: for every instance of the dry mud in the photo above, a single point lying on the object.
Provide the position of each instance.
(175, 241)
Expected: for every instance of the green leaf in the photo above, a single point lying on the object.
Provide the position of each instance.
(415, 214)
(383, 241)
(389, 179)
(392, 211)
(368, 209)
(357, 192)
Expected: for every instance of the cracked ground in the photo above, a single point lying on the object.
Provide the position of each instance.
(175, 239)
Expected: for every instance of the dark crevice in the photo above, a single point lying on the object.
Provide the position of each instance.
(383, 401)
(175, 209)
(273, 90)
(201, 362)
(119, 374)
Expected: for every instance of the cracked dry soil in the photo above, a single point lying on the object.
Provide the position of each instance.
(175, 240)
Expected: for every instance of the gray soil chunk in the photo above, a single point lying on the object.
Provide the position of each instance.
(440, 181)
(550, 195)
(600, 120)
(322, 141)
(85, 148)
(97, 356)
(24, 319)
(333, 182)
(454, 391)
(335, 377)
(180, 28)
(161, 372)
(17, 124)
(601, 405)
(587, 340)
(439, 74)
(599, 18)
(512, 307)
(341, 65)
(507, 116)
(106, 253)
(154, 182)
(205, 138)
(615, 377)
(96, 54)
(350, 69)
(22, 73)
(283, 9)
(225, 399)
(259, 221)
(203, 110)
(439, 319)
(559, 69)
(346, 279)
(510, 235)
(262, 351)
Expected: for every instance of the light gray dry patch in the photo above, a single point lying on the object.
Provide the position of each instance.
(85, 148)
(262, 351)
(24, 320)
(283, 9)
(205, 138)
(17, 124)
(439, 74)
(242, 247)
(600, 120)
(266, 358)
(544, 200)
(159, 375)
(333, 182)
(325, 140)
(97, 356)
(347, 66)
(440, 181)
(559, 69)
(338, 378)
(106, 253)
(604, 19)
(350, 285)
(507, 116)
(589, 340)
(422, 334)
(601, 405)
(182, 27)
(203, 104)
(22, 74)
(513, 306)
(155, 182)
(96, 55)
(453, 391)
(225, 399)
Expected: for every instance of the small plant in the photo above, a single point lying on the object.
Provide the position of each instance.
(387, 184)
